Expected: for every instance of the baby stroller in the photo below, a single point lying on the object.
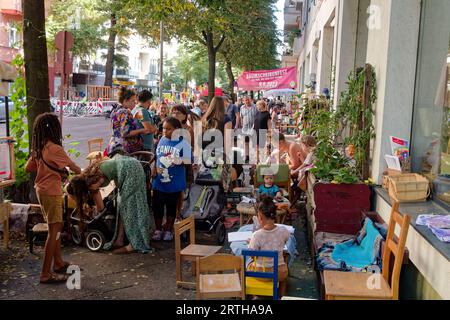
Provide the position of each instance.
(102, 228)
(99, 229)
(206, 199)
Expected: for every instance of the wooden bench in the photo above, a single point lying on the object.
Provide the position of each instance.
(375, 217)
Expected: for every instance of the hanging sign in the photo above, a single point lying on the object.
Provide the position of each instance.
(284, 78)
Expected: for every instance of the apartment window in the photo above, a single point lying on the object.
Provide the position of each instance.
(431, 119)
(13, 36)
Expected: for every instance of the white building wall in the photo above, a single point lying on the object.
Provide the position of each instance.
(392, 50)
(346, 29)
(312, 54)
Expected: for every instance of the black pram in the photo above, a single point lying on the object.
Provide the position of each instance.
(102, 228)
(206, 199)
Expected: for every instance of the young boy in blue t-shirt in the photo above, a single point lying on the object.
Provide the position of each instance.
(270, 189)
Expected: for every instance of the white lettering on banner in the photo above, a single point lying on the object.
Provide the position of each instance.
(252, 76)
(268, 85)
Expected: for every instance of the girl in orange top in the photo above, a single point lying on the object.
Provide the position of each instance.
(47, 157)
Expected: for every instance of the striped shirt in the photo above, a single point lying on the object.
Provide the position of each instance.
(248, 115)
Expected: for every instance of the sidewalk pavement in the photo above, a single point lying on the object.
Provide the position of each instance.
(105, 276)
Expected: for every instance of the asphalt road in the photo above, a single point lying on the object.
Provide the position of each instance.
(81, 130)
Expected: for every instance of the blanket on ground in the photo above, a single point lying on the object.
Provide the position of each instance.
(357, 255)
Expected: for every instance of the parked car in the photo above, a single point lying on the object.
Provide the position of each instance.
(3, 109)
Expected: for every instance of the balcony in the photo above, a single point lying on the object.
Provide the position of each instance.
(288, 61)
(291, 16)
(11, 7)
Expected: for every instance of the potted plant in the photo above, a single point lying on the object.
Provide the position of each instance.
(338, 184)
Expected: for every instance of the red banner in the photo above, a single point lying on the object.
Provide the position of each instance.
(284, 78)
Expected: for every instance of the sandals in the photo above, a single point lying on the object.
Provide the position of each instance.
(54, 278)
(63, 269)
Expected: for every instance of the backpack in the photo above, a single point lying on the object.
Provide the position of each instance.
(203, 202)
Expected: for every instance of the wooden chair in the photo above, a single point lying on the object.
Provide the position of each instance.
(5, 212)
(213, 282)
(95, 146)
(282, 177)
(369, 286)
(192, 251)
(255, 283)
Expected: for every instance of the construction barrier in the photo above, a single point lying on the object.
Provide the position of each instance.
(82, 108)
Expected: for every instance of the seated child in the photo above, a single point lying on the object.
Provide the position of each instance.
(268, 188)
(308, 145)
(269, 237)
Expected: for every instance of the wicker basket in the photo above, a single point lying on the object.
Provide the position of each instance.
(410, 187)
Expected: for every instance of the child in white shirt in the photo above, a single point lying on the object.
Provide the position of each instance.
(269, 237)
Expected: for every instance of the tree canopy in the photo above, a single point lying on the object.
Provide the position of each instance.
(212, 23)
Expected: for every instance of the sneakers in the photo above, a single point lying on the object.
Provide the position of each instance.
(165, 236)
(168, 236)
(157, 236)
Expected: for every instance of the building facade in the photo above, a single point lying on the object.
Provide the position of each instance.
(142, 71)
(408, 44)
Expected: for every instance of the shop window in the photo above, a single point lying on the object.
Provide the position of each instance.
(431, 120)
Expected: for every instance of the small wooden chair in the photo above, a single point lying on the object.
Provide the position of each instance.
(255, 283)
(369, 286)
(95, 147)
(192, 251)
(5, 211)
(213, 282)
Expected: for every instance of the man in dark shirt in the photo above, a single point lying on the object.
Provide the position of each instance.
(232, 111)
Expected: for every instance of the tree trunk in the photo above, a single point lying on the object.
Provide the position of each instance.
(36, 64)
(211, 69)
(212, 55)
(111, 51)
(231, 79)
(36, 67)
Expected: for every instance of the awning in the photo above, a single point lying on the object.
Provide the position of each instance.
(11, 12)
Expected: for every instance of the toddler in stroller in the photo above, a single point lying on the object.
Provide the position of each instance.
(96, 229)
(93, 228)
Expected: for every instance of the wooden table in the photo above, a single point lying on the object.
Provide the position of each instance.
(249, 210)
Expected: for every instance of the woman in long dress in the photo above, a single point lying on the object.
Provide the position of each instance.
(129, 177)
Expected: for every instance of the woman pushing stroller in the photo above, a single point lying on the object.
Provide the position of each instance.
(129, 177)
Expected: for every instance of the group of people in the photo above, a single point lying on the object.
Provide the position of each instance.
(135, 127)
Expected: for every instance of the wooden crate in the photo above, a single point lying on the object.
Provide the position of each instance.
(409, 187)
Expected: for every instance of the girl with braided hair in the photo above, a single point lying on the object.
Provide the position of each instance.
(48, 159)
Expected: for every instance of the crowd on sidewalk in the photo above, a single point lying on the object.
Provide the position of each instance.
(137, 127)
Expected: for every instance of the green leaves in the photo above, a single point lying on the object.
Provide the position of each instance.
(328, 126)
(18, 124)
